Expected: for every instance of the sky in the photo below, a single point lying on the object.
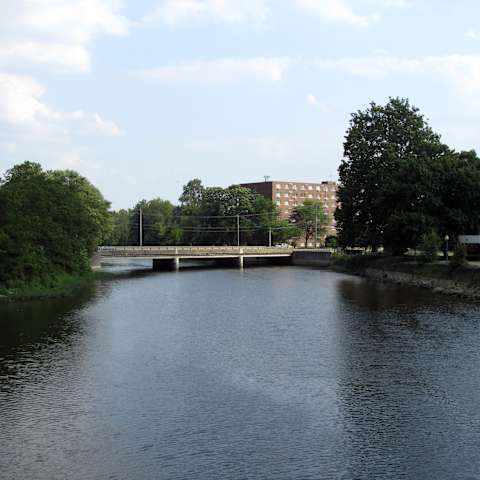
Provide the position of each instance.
(141, 96)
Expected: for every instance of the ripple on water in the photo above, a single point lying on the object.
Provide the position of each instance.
(267, 373)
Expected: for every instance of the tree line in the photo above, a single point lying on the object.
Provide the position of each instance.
(400, 183)
(214, 216)
(51, 223)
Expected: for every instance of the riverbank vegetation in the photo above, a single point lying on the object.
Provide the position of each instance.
(50, 225)
(52, 221)
(399, 182)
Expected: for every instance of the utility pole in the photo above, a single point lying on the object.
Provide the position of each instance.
(316, 224)
(140, 226)
(238, 230)
(269, 236)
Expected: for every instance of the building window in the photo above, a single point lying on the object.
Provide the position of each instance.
(278, 186)
(285, 203)
(302, 187)
(317, 188)
(286, 194)
(278, 203)
(310, 195)
(310, 187)
(294, 187)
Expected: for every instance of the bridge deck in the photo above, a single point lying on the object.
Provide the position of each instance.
(193, 252)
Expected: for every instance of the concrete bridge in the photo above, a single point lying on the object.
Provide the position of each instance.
(169, 258)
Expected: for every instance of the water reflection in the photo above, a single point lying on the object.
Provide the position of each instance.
(267, 373)
(404, 391)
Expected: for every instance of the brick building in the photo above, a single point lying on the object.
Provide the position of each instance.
(287, 195)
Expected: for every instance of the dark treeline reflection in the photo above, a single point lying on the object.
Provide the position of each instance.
(271, 372)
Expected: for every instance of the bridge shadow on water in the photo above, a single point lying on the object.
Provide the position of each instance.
(123, 268)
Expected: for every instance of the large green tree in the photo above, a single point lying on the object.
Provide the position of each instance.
(50, 224)
(384, 146)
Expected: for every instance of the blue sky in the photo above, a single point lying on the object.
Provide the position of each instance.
(141, 96)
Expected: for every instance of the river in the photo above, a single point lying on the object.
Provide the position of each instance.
(265, 373)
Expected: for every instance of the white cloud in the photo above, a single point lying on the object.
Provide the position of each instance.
(398, 3)
(58, 56)
(375, 66)
(70, 159)
(319, 105)
(463, 71)
(258, 147)
(21, 105)
(93, 122)
(269, 69)
(472, 34)
(174, 12)
(338, 11)
(57, 32)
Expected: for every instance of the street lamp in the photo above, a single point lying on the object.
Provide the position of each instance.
(446, 238)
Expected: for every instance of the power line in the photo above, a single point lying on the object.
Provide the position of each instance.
(244, 215)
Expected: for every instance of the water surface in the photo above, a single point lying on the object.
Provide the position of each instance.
(274, 372)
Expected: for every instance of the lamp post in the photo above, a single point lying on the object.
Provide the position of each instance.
(140, 228)
(446, 238)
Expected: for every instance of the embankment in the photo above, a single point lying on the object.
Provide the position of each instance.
(439, 277)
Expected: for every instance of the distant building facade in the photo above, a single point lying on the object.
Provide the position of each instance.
(287, 195)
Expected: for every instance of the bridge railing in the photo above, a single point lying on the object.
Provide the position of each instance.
(148, 251)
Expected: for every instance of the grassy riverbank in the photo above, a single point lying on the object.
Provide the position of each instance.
(441, 277)
(61, 285)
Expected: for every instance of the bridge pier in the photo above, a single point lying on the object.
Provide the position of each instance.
(171, 264)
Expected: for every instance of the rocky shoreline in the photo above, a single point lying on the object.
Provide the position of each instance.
(439, 277)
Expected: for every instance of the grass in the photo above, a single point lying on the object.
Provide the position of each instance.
(61, 285)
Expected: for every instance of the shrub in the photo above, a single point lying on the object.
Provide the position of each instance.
(459, 257)
(354, 262)
(331, 241)
(429, 246)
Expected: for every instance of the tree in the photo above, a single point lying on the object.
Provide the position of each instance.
(331, 241)
(158, 222)
(97, 208)
(192, 193)
(381, 141)
(309, 218)
(429, 246)
(209, 216)
(50, 224)
(121, 228)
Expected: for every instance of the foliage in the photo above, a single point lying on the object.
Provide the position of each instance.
(205, 216)
(120, 234)
(459, 258)
(50, 224)
(398, 181)
(157, 220)
(211, 215)
(309, 218)
(354, 262)
(377, 143)
(331, 241)
(429, 246)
